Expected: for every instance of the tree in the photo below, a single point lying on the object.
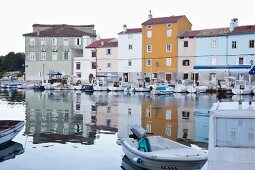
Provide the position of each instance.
(12, 62)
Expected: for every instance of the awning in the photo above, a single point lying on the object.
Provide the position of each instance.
(252, 71)
(217, 67)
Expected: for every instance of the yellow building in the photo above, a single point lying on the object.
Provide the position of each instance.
(160, 45)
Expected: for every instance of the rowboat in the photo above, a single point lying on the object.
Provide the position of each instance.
(156, 152)
(9, 129)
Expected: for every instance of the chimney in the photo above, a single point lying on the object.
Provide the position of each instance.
(149, 16)
(233, 24)
(102, 42)
(124, 28)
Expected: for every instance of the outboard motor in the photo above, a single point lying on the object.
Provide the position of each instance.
(139, 133)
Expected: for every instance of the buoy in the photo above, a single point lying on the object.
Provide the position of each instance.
(137, 160)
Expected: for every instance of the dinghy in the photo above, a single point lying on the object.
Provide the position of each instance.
(9, 129)
(156, 152)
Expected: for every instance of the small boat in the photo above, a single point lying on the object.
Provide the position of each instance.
(156, 152)
(242, 87)
(142, 86)
(162, 90)
(9, 129)
(116, 86)
(100, 85)
(225, 85)
(87, 88)
(129, 88)
(10, 150)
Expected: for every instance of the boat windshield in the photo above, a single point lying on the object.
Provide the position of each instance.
(161, 88)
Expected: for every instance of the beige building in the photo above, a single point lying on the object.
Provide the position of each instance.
(186, 55)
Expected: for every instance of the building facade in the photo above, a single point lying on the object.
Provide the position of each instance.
(130, 54)
(159, 45)
(48, 49)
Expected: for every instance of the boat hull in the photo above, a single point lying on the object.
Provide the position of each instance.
(154, 164)
(8, 134)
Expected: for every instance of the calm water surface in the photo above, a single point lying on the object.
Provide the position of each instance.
(78, 131)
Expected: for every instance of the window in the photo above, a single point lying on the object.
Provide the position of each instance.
(66, 55)
(148, 128)
(149, 34)
(148, 113)
(149, 26)
(108, 122)
(154, 75)
(78, 66)
(148, 62)
(213, 60)
(108, 65)
(129, 62)
(54, 41)
(78, 41)
(251, 44)
(54, 56)
(93, 53)
(240, 60)
(32, 42)
(168, 77)
(186, 44)
(149, 48)
(130, 36)
(168, 61)
(108, 51)
(214, 43)
(185, 62)
(43, 56)
(129, 111)
(185, 76)
(32, 56)
(43, 41)
(130, 47)
(169, 25)
(168, 129)
(66, 43)
(168, 47)
(233, 44)
(169, 32)
(93, 65)
(168, 114)
(185, 115)
(78, 75)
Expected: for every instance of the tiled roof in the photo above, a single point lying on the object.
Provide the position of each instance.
(53, 25)
(243, 29)
(162, 20)
(131, 30)
(213, 32)
(100, 43)
(188, 34)
(60, 31)
(110, 44)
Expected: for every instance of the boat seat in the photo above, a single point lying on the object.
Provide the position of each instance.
(144, 145)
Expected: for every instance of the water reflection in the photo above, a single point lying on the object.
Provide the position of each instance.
(10, 150)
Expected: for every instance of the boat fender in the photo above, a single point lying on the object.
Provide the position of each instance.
(137, 160)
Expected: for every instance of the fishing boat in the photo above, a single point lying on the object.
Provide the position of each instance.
(9, 129)
(162, 90)
(156, 152)
(242, 87)
(87, 88)
(225, 85)
(100, 85)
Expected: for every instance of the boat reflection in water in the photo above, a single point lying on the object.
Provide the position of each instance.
(62, 117)
(10, 150)
(126, 164)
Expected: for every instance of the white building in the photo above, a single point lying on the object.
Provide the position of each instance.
(130, 54)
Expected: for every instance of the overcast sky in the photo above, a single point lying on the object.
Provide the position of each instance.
(108, 16)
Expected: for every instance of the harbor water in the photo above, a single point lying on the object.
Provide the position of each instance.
(80, 131)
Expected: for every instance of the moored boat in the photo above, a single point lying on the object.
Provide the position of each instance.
(9, 129)
(162, 90)
(156, 152)
(242, 87)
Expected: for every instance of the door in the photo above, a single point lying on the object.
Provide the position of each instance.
(125, 77)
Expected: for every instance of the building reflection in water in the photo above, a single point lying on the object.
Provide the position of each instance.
(63, 116)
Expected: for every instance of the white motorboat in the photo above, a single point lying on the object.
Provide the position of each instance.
(9, 129)
(225, 85)
(242, 87)
(184, 86)
(162, 90)
(100, 85)
(116, 86)
(129, 88)
(142, 86)
(156, 152)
